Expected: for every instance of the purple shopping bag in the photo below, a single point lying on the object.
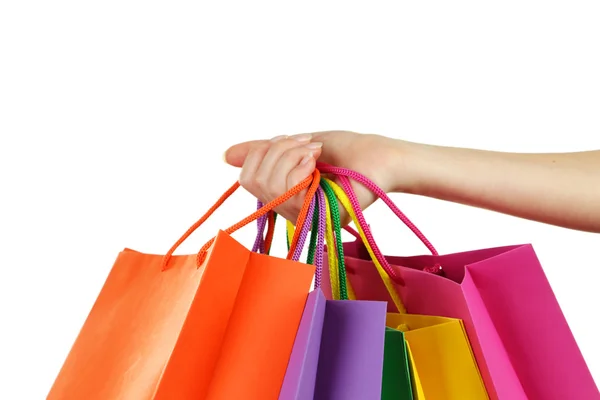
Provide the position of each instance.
(519, 335)
(338, 352)
(301, 373)
(339, 346)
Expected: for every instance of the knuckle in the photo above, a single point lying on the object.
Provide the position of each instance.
(262, 147)
(285, 145)
(294, 152)
(298, 153)
(261, 182)
(245, 181)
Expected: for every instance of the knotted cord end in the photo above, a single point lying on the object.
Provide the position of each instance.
(436, 270)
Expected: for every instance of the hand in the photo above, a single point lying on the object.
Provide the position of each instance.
(271, 167)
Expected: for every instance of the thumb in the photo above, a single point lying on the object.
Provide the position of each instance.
(236, 155)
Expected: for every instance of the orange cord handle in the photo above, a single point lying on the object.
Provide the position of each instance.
(301, 217)
(197, 224)
(300, 221)
(312, 181)
(266, 208)
(311, 193)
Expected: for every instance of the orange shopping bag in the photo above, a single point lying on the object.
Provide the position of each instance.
(218, 325)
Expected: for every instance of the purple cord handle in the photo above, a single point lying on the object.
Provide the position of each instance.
(259, 242)
(319, 253)
(261, 222)
(304, 232)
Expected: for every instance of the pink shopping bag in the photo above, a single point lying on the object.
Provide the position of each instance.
(519, 335)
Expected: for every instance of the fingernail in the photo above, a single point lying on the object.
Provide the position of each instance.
(224, 156)
(278, 138)
(302, 137)
(314, 145)
(307, 158)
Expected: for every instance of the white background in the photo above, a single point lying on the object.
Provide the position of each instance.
(114, 116)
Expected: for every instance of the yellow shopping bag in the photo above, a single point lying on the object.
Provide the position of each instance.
(442, 363)
(417, 387)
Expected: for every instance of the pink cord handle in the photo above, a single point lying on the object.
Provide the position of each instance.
(325, 168)
(352, 231)
(347, 187)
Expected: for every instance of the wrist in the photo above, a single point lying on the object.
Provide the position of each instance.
(410, 166)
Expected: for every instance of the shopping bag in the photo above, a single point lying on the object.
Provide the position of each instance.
(396, 368)
(301, 373)
(217, 325)
(417, 387)
(519, 335)
(442, 355)
(338, 350)
(351, 354)
(338, 353)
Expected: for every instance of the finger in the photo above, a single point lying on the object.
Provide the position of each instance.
(305, 167)
(291, 208)
(288, 162)
(236, 155)
(269, 167)
(251, 164)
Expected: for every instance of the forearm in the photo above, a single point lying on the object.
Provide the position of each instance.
(560, 189)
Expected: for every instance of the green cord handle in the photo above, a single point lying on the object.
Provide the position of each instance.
(287, 241)
(337, 228)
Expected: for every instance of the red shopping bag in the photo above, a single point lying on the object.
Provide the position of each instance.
(520, 337)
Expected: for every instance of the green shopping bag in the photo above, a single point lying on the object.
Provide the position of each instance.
(396, 377)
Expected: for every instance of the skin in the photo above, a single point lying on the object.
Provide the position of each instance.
(561, 189)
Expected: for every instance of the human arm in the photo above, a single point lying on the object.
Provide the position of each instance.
(561, 189)
(556, 188)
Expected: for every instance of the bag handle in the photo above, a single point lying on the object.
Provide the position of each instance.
(297, 251)
(435, 269)
(314, 236)
(333, 260)
(263, 245)
(322, 230)
(313, 186)
(346, 199)
(353, 207)
(261, 222)
(336, 255)
(326, 168)
(319, 243)
(311, 182)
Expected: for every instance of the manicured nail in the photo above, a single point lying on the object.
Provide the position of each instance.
(307, 158)
(314, 145)
(278, 138)
(302, 137)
